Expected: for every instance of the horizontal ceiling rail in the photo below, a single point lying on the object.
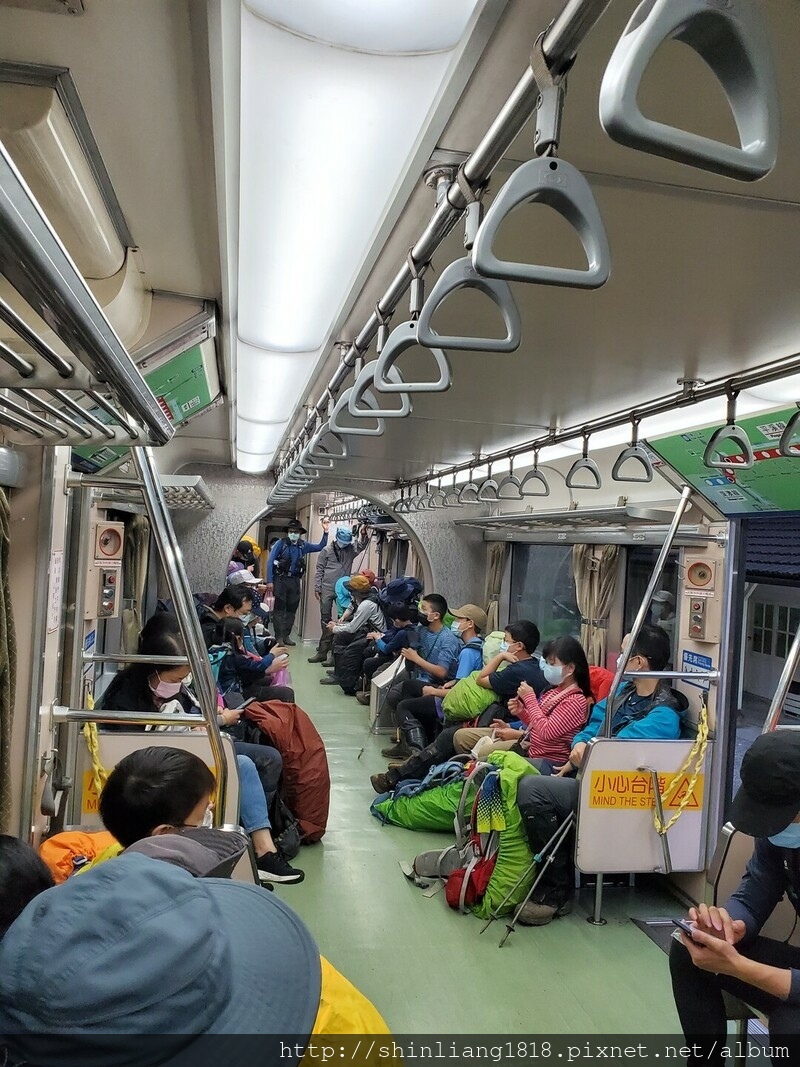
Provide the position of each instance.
(36, 264)
(560, 45)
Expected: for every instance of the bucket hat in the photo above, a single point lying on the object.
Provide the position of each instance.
(295, 526)
(138, 962)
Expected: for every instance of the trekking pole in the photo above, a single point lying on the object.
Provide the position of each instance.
(551, 848)
(495, 913)
(373, 729)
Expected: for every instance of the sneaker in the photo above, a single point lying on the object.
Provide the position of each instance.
(363, 698)
(272, 867)
(330, 680)
(320, 657)
(533, 914)
(399, 751)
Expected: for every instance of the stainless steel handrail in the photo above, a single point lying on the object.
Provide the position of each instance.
(180, 591)
(130, 718)
(157, 661)
(638, 622)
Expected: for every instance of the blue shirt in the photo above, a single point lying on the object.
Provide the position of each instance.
(470, 658)
(442, 649)
(292, 554)
(395, 638)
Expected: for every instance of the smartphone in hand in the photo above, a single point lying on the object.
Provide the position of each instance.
(685, 926)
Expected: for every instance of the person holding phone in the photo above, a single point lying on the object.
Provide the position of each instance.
(722, 949)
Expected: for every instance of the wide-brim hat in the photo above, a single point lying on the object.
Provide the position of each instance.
(295, 526)
(139, 962)
(769, 796)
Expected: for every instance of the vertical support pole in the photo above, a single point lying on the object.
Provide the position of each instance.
(175, 572)
(652, 586)
(596, 918)
(782, 688)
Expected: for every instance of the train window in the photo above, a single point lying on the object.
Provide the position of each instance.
(543, 589)
(639, 567)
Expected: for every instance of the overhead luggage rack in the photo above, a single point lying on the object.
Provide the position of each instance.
(628, 522)
(93, 395)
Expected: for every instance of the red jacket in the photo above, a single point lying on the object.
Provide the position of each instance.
(306, 780)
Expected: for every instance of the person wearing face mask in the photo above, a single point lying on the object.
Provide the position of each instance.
(546, 724)
(727, 951)
(234, 602)
(420, 718)
(285, 568)
(662, 614)
(644, 707)
(148, 687)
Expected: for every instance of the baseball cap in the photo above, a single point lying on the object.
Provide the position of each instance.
(769, 797)
(663, 596)
(474, 614)
(359, 584)
(243, 578)
(344, 536)
(140, 947)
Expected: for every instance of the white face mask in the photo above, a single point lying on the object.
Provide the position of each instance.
(504, 646)
(553, 673)
(208, 818)
(656, 611)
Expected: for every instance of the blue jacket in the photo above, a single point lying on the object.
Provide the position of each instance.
(470, 658)
(658, 716)
(771, 872)
(293, 553)
(395, 638)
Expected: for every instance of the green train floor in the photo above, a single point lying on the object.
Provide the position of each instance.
(425, 966)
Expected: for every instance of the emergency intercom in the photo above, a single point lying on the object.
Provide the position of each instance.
(104, 576)
(704, 603)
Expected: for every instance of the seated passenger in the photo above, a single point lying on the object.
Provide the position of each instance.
(235, 601)
(646, 707)
(436, 660)
(548, 724)
(154, 791)
(350, 634)
(140, 947)
(23, 875)
(385, 646)
(249, 674)
(727, 951)
(519, 641)
(420, 718)
(146, 688)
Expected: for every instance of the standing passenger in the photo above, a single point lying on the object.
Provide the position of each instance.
(335, 561)
(285, 568)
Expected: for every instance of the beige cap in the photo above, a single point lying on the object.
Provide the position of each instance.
(474, 614)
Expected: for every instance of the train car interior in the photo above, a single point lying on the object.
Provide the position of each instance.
(494, 297)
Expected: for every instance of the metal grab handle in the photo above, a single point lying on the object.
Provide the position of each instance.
(488, 489)
(658, 800)
(312, 462)
(316, 449)
(469, 492)
(731, 36)
(731, 431)
(462, 275)
(561, 186)
(401, 338)
(361, 430)
(584, 464)
(635, 452)
(783, 686)
(511, 483)
(365, 379)
(785, 445)
(534, 477)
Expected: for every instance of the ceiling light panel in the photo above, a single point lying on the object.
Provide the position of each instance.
(269, 384)
(326, 135)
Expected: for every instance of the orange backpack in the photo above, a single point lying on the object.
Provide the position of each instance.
(67, 852)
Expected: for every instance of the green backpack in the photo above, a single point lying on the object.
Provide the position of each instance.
(466, 700)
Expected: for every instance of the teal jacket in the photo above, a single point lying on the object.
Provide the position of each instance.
(658, 717)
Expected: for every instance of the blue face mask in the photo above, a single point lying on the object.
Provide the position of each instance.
(504, 646)
(788, 838)
(455, 626)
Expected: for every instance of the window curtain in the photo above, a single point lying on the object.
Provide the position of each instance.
(496, 559)
(8, 665)
(594, 568)
(134, 580)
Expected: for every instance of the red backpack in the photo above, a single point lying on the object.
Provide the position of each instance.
(466, 886)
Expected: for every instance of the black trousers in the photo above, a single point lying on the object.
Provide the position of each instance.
(418, 712)
(348, 656)
(418, 765)
(698, 998)
(263, 691)
(544, 804)
(287, 600)
(372, 664)
(405, 690)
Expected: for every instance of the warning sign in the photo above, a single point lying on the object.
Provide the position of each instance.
(89, 798)
(623, 790)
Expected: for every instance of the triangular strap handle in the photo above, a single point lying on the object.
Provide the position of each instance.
(785, 444)
(734, 434)
(534, 478)
(559, 185)
(462, 275)
(365, 379)
(488, 489)
(400, 339)
(318, 451)
(639, 455)
(360, 430)
(318, 463)
(509, 488)
(731, 36)
(585, 463)
(469, 493)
